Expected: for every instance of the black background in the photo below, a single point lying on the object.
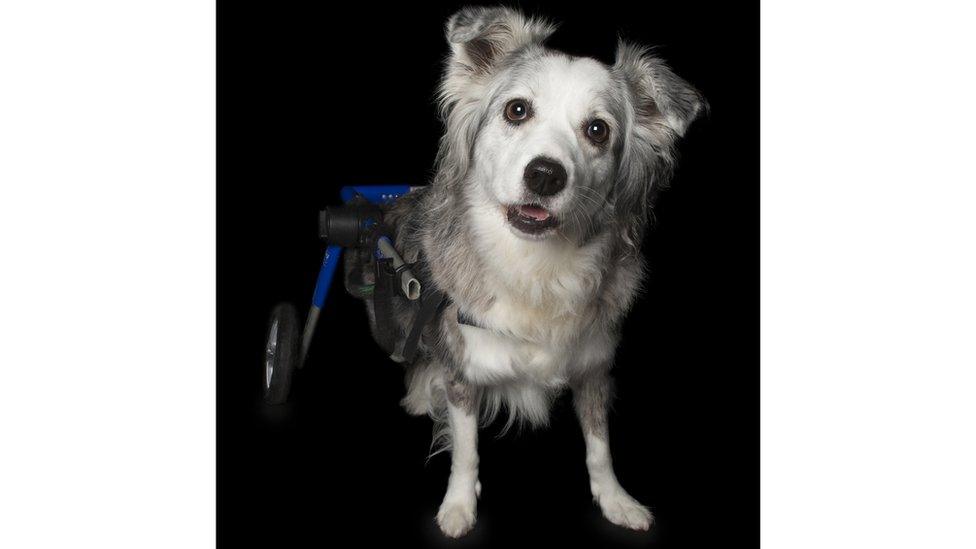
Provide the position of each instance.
(313, 98)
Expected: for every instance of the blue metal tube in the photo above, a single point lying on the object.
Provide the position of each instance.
(329, 264)
(376, 194)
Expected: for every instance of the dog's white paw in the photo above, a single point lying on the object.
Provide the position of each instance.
(456, 518)
(621, 509)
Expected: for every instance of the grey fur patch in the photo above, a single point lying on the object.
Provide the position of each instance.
(661, 96)
(591, 399)
(461, 394)
(481, 36)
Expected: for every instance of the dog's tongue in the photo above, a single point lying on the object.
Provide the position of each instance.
(535, 212)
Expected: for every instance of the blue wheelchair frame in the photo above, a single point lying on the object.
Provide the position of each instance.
(375, 194)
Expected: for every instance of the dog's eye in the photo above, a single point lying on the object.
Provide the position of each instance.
(597, 131)
(517, 110)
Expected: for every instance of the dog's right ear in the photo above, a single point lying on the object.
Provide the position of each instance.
(480, 37)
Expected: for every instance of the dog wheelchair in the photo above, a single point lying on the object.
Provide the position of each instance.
(357, 224)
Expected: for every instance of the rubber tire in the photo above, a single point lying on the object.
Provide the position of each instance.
(286, 354)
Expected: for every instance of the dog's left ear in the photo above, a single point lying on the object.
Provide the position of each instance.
(480, 37)
(664, 106)
(660, 96)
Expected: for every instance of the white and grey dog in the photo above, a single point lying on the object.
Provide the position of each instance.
(532, 228)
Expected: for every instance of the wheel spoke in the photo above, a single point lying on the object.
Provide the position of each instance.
(271, 353)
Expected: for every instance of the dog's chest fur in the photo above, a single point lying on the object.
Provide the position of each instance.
(537, 326)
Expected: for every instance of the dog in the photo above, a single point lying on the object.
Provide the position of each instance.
(532, 228)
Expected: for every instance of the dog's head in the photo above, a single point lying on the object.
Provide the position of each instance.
(547, 143)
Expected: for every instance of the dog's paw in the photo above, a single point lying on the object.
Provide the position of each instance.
(456, 518)
(621, 509)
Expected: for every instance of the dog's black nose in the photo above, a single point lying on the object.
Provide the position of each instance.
(545, 177)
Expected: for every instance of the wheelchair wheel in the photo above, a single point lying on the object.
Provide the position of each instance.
(281, 353)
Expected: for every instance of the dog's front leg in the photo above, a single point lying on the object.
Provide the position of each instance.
(591, 397)
(457, 513)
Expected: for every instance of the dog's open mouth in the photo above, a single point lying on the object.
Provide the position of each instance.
(531, 218)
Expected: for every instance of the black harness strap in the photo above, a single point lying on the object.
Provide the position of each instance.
(383, 305)
(431, 301)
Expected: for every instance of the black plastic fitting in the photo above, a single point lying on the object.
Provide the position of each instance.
(349, 226)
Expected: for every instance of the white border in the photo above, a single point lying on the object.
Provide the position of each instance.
(107, 273)
(868, 274)
(107, 279)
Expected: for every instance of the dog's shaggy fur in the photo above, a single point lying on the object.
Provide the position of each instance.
(547, 278)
